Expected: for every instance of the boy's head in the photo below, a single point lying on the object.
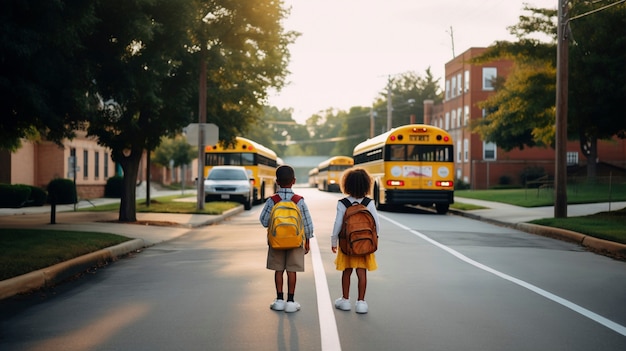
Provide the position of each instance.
(356, 182)
(285, 176)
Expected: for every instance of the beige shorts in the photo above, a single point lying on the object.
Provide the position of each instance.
(285, 260)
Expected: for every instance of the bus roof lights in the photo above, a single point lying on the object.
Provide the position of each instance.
(392, 138)
(419, 129)
(446, 138)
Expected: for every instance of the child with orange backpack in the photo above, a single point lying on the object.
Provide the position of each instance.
(356, 184)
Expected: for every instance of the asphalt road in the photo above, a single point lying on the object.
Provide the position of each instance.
(444, 283)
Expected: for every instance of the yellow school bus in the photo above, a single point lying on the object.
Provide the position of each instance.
(313, 177)
(410, 165)
(330, 172)
(259, 161)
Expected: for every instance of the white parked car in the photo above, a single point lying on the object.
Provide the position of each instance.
(229, 183)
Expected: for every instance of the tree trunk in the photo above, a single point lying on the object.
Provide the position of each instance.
(589, 147)
(128, 202)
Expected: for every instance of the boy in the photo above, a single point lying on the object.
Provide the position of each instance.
(291, 260)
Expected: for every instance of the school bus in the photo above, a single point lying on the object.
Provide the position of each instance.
(313, 177)
(330, 172)
(410, 165)
(259, 161)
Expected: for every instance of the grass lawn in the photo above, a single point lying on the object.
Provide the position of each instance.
(27, 250)
(576, 194)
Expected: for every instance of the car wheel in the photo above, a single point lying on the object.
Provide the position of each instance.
(248, 204)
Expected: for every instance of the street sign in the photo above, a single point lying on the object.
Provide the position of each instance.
(211, 133)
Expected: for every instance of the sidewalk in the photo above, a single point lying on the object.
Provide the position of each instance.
(516, 217)
(165, 227)
(174, 225)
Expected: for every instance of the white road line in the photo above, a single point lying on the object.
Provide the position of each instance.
(566, 303)
(328, 325)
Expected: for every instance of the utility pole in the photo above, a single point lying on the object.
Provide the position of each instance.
(560, 176)
(201, 122)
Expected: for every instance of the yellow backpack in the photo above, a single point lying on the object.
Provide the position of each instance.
(285, 229)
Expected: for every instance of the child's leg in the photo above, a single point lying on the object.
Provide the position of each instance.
(361, 273)
(291, 285)
(278, 280)
(345, 282)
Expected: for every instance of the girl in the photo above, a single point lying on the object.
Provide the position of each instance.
(356, 184)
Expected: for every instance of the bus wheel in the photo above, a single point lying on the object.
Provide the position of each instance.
(379, 206)
(442, 208)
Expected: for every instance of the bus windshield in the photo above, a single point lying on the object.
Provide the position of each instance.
(416, 152)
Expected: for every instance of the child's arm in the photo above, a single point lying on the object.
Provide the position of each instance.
(334, 238)
(264, 218)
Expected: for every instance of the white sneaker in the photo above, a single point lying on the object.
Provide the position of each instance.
(343, 304)
(292, 306)
(361, 306)
(278, 305)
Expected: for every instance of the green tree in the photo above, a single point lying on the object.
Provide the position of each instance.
(521, 113)
(43, 81)
(176, 150)
(597, 76)
(522, 108)
(147, 57)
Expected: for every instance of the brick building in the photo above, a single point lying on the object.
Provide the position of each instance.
(38, 163)
(483, 164)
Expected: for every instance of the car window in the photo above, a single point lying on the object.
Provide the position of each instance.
(227, 174)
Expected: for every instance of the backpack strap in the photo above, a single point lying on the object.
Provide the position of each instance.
(276, 198)
(296, 198)
(346, 202)
(366, 200)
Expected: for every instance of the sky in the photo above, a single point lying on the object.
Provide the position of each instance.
(348, 49)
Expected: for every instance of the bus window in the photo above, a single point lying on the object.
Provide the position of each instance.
(247, 159)
(397, 153)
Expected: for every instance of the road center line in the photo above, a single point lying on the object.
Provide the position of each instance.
(328, 325)
(566, 303)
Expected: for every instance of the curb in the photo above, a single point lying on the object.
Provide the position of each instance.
(599, 246)
(53, 275)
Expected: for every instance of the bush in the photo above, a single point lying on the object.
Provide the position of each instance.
(37, 197)
(461, 185)
(14, 196)
(114, 187)
(62, 191)
(504, 180)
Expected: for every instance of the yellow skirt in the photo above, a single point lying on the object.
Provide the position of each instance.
(344, 261)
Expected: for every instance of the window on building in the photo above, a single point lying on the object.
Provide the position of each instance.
(453, 119)
(85, 163)
(96, 169)
(453, 88)
(447, 123)
(572, 158)
(489, 74)
(489, 151)
(106, 165)
(466, 116)
(459, 84)
(466, 81)
(466, 150)
(458, 117)
(447, 89)
(459, 151)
